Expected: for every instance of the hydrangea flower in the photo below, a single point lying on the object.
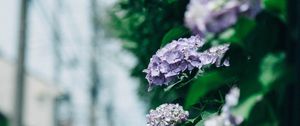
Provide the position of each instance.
(226, 118)
(214, 16)
(214, 55)
(182, 56)
(167, 115)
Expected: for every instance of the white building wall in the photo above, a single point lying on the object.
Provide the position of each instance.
(39, 97)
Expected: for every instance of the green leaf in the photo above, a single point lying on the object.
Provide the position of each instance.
(239, 31)
(244, 108)
(206, 115)
(174, 34)
(171, 1)
(275, 5)
(206, 83)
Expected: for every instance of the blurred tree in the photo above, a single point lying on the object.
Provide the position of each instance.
(57, 42)
(95, 82)
(21, 70)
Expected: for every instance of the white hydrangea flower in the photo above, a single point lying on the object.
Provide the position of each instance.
(167, 115)
(226, 118)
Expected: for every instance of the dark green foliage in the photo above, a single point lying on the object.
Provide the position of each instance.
(3, 120)
(258, 60)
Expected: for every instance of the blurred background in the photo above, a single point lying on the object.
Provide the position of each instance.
(80, 62)
(59, 67)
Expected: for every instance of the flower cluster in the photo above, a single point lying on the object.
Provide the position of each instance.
(226, 118)
(166, 115)
(214, 55)
(213, 16)
(180, 56)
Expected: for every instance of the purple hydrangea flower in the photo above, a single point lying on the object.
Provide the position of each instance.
(213, 16)
(214, 55)
(181, 56)
(166, 115)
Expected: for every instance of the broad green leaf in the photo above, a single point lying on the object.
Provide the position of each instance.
(206, 115)
(245, 107)
(275, 5)
(206, 83)
(239, 31)
(174, 34)
(200, 123)
(243, 27)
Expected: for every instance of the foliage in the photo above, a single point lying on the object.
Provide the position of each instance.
(258, 59)
(144, 23)
(3, 120)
